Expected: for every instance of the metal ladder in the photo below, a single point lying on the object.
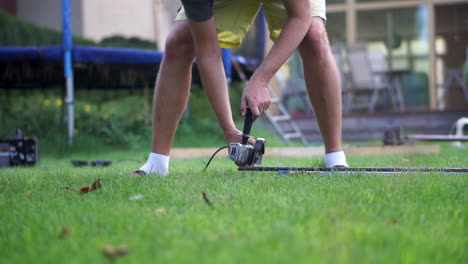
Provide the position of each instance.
(278, 115)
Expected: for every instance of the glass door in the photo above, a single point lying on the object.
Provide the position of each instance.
(451, 44)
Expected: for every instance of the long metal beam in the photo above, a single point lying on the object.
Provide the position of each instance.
(354, 170)
(437, 137)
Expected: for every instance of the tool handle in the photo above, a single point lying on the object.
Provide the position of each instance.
(247, 126)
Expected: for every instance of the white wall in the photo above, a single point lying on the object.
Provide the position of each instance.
(130, 18)
(97, 19)
(165, 13)
(48, 13)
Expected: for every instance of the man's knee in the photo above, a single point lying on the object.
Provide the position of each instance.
(316, 41)
(179, 44)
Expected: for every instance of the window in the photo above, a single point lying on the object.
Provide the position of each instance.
(401, 35)
(336, 27)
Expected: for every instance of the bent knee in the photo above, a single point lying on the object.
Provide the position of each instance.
(179, 43)
(316, 41)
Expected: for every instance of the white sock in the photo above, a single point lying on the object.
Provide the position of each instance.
(156, 163)
(337, 158)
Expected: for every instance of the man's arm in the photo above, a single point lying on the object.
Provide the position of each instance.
(256, 95)
(210, 66)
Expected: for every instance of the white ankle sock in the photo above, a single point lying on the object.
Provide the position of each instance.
(156, 163)
(337, 158)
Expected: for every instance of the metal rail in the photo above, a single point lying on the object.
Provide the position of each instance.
(356, 169)
(438, 137)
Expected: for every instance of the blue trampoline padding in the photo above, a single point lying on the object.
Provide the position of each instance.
(99, 55)
(82, 54)
(19, 53)
(115, 55)
(51, 53)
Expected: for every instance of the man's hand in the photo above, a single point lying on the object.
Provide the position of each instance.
(235, 137)
(256, 97)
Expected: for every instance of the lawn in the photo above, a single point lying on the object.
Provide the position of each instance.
(253, 217)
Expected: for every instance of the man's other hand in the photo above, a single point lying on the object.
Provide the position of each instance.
(256, 97)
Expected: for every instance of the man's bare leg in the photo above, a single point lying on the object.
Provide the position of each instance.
(171, 95)
(172, 88)
(323, 84)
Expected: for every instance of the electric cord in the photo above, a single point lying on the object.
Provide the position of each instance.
(214, 154)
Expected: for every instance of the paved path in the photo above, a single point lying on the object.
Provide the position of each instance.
(302, 152)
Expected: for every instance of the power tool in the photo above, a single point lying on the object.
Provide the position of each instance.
(19, 151)
(244, 154)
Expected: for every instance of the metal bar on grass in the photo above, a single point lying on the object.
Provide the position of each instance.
(438, 137)
(355, 169)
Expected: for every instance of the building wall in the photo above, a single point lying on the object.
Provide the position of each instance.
(8, 6)
(165, 13)
(105, 18)
(48, 13)
(90, 18)
(145, 19)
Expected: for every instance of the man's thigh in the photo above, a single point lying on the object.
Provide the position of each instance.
(179, 34)
(277, 16)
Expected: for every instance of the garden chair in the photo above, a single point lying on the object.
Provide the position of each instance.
(453, 79)
(366, 85)
(337, 52)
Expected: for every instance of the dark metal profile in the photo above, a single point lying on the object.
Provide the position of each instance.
(355, 169)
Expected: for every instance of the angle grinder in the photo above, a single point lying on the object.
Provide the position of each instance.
(244, 154)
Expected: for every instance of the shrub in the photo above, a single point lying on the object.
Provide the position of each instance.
(16, 32)
(123, 42)
(104, 118)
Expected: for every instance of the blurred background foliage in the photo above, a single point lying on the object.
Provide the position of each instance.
(114, 117)
(16, 32)
(117, 118)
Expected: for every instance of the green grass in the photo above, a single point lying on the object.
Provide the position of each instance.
(255, 218)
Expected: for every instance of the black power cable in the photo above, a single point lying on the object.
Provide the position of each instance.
(245, 134)
(216, 152)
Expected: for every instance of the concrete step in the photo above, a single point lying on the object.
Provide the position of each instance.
(362, 127)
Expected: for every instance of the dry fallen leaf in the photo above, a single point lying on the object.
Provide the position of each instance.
(207, 199)
(96, 185)
(28, 193)
(5, 180)
(159, 211)
(66, 233)
(113, 252)
(393, 222)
